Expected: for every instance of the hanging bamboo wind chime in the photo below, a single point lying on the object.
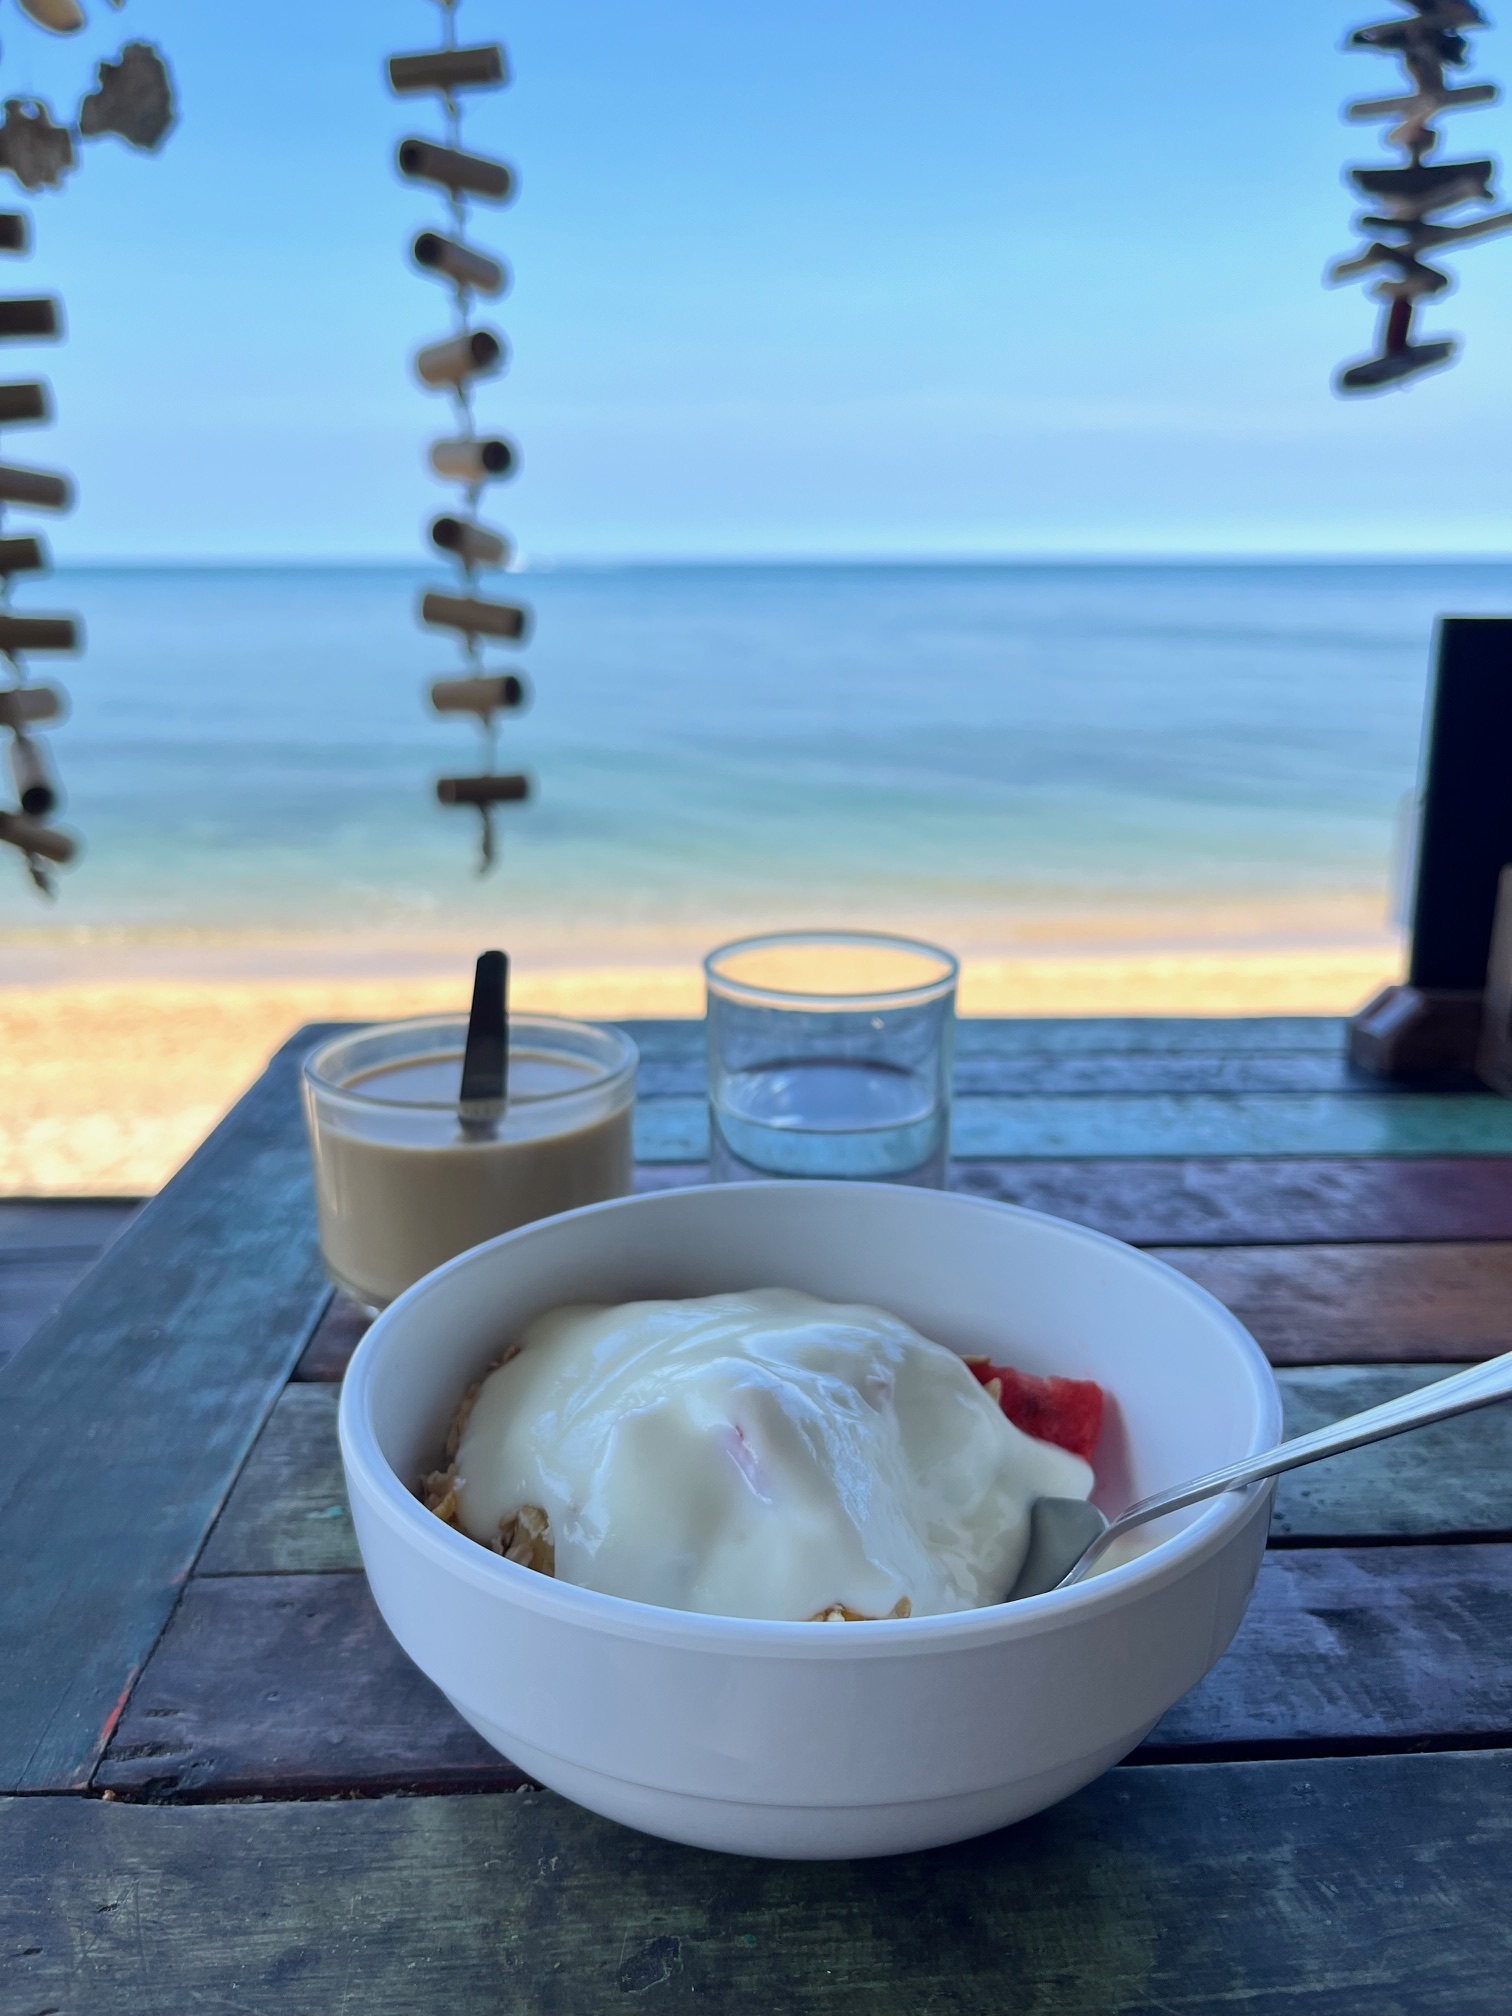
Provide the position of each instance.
(133, 98)
(25, 706)
(1429, 43)
(453, 366)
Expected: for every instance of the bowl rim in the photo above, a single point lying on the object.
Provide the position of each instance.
(386, 1494)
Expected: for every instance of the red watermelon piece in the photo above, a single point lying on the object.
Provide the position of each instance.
(1067, 1412)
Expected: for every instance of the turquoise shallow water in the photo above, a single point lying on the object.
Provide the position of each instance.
(248, 750)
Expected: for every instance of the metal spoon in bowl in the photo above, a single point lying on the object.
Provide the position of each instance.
(1067, 1537)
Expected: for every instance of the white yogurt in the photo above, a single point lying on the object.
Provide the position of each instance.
(758, 1455)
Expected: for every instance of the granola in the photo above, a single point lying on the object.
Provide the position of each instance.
(524, 1535)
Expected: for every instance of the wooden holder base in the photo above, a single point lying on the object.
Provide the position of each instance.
(1408, 1030)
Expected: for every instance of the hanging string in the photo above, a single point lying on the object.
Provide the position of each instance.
(454, 366)
(1429, 42)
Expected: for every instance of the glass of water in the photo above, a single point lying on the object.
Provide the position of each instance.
(830, 1055)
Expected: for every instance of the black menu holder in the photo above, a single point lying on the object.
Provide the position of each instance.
(1433, 1021)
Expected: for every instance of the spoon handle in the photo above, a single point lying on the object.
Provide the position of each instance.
(1479, 1386)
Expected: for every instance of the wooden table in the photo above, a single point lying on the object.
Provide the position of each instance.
(231, 1791)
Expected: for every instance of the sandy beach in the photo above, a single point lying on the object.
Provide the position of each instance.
(121, 1055)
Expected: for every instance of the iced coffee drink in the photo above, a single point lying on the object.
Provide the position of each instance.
(401, 1185)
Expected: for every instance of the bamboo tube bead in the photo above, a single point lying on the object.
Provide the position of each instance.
(25, 555)
(476, 618)
(39, 633)
(32, 837)
(482, 791)
(472, 461)
(473, 544)
(483, 696)
(33, 316)
(458, 173)
(15, 231)
(1392, 365)
(448, 365)
(41, 487)
(447, 70)
(1422, 104)
(36, 788)
(460, 264)
(20, 403)
(24, 706)
(58, 17)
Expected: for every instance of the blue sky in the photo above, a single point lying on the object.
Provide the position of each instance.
(808, 279)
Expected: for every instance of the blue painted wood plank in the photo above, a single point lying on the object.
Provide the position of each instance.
(986, 1074)
(671, 1130)
(1091, 1035)
(124, 1422)
(1018, 1126)
(1257, 1123)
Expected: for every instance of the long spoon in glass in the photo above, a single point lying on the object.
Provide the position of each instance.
(1067, 1537)
(484, 1092)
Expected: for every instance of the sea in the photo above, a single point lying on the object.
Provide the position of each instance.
(1005, 747)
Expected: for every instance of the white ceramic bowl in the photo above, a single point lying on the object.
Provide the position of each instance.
(813, 1740)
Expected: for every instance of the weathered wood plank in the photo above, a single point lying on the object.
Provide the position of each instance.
(124, 1423)
(1025, 1126)
(1344, 1648)
(287, 1513)
(32, 1287)
(1398, 1293)
(1124, 1073)
(1114, 1074)
(1337, 1887)
(986, 1071)
(289, 1682)
(73, 1224)
(1367, 1304)
(1237, 1201)
(1452, 1479)
(1244, 1123)
(671, 1130)
(46, 1248)
(1144, 1053)
(674, 1040)
(336, 1336)
(278, 1683)
(1100, 1035)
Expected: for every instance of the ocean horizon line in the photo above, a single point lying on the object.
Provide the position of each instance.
(253, 563)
